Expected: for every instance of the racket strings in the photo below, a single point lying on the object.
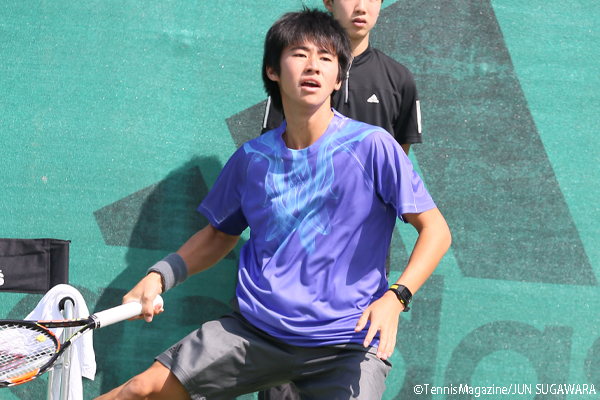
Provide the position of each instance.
(23, 350)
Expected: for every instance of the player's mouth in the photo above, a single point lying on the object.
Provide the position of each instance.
(310, 84)
(359, 21)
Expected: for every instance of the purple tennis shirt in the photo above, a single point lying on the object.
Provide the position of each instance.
(321, 221)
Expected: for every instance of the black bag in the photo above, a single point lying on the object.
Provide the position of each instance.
(33, 265)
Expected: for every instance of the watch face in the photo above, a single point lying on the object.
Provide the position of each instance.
(403, 294)
(406, 294)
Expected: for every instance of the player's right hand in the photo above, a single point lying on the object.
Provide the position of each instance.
(145, 292)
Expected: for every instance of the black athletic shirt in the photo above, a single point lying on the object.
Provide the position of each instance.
(377, 90)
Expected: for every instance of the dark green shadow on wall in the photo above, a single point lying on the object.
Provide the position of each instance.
(153, 222)
(482, 157)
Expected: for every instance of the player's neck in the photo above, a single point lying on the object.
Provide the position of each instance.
(359, 45)
(305, 127)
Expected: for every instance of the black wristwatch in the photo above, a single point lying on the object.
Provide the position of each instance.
(404, 295)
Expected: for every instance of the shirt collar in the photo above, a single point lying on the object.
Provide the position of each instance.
(362, 57)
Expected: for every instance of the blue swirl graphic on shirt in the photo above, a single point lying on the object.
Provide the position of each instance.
(296, 192)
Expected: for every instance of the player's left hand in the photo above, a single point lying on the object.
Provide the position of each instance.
(384, 315)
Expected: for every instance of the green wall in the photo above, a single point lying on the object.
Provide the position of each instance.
(117, 116)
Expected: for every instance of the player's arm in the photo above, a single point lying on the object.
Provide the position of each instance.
(433, 242)
(406, 147)
(206, 248)
(200, 252)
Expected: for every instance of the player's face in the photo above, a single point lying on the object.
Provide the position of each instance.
(358, 17)
(308, 75)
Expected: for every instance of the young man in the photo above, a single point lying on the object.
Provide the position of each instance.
(376, 89)
(312, 302)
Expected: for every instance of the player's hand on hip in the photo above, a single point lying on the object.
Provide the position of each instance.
(145, 292)
(384, 315)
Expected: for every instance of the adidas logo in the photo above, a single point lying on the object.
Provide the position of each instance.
(175, 350)
(373, 99)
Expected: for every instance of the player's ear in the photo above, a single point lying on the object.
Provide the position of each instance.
(338, 84)
(328, 5)
(272, 74)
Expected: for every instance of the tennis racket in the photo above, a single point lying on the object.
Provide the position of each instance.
(28, 348)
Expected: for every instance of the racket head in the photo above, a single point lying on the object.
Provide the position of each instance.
(27, 350)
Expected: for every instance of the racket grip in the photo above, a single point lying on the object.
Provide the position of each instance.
(121, 313)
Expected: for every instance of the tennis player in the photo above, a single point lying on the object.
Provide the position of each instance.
(321, 195)
(376, 89)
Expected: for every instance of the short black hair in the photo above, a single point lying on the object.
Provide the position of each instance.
(300, 27)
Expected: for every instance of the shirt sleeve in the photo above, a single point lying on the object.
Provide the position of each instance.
(223, 204)
(407, 127)
(395, 179)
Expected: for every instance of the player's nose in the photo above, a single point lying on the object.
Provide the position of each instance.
(312, 64)
(360, 7)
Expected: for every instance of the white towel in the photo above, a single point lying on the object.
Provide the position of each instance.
(83, 359)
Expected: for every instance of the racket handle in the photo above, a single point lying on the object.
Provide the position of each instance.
(121, 313)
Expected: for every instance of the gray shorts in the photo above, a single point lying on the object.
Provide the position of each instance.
(230, 357)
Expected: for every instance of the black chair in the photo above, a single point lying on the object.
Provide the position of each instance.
(35, 266)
